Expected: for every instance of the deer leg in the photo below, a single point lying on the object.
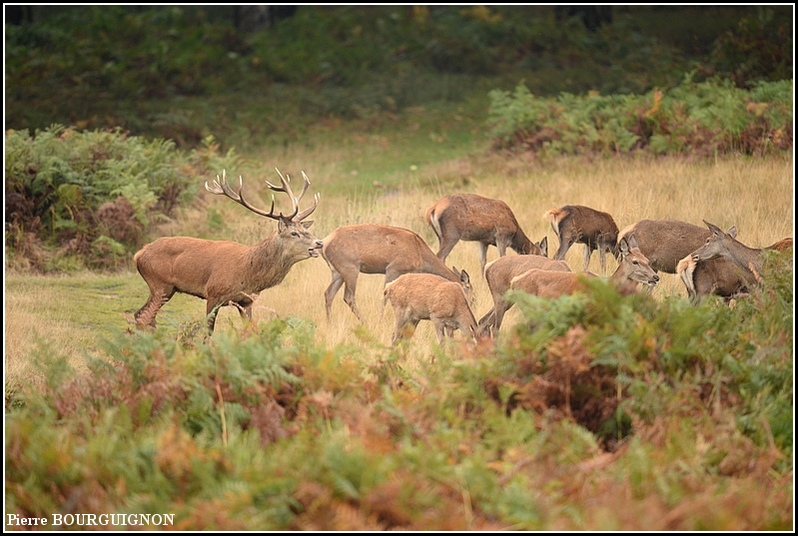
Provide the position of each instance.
(440, 330)
(500, 307)
(405, 328)
(212, 310)
(565, 245)
(447, 243)
(145, 317)
(331, 291)
(483, 256)
(350, 286)
(588, 252)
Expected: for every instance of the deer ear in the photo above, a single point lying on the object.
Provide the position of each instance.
(280, 225)
(307, 224)
(714, 228)
(623, 246)
(732, 231)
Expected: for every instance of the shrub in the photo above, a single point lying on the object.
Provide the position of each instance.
(704, 118)
(96, 194)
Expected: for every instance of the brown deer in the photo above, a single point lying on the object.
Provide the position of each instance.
(500, 272)
(633, 270)
(474, 218)
(666, 242)
(417, 297)
(716, 276)
(584, 225)
(222, 272)
(379, 249)
(724, 266)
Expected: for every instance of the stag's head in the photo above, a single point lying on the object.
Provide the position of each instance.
(717, 243)
(292, 229)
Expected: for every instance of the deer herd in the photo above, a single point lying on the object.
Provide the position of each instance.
(418, 283)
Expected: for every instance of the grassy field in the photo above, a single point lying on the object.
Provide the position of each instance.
(71, 315)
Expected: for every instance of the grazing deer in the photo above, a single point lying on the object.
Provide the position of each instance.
(633, 270)
(222, 272)
(379, 249)
(417, 297)
(579, 224)
(724, 266)
(666, 242)
(474, 218)
(500, 272)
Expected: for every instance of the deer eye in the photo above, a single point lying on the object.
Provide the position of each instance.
(294, 233)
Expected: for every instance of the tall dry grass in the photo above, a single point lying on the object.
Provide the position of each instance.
(756, 195)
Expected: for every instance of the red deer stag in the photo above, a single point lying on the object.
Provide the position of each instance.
(474, 218)
(579, 224)
(222, 272)
(500, 272)
(417, 297)
(633, 270)
(379, 249)
(724, 266)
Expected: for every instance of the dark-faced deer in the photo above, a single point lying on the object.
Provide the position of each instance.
(379, 249)
(221, 272)
(417, 297)
(584, 225)
(666, 242)
(724, 266)
(633, 270)
(500, 272)
(474, 218)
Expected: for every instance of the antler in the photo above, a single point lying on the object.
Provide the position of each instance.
(286, 187)
(221, 187)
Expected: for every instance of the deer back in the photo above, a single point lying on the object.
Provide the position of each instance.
(666, 242)
(378, 249)
(422, 296)
(475, 217)
(550, 284)
(500, 272)
(578, 223)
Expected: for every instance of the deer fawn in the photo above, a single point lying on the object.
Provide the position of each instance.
(474, 218)
(379, 249)
(579, 224)
(633, 270)
(724, 266)
(500, 272)
(222, 272)
(417, 297)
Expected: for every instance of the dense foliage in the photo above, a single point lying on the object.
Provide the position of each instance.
(713, 117)
(679, 405)
(93, 195)
(135, 67)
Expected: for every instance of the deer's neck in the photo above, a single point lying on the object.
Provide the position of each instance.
(745, 257)
(521, 242)
(267, 264)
